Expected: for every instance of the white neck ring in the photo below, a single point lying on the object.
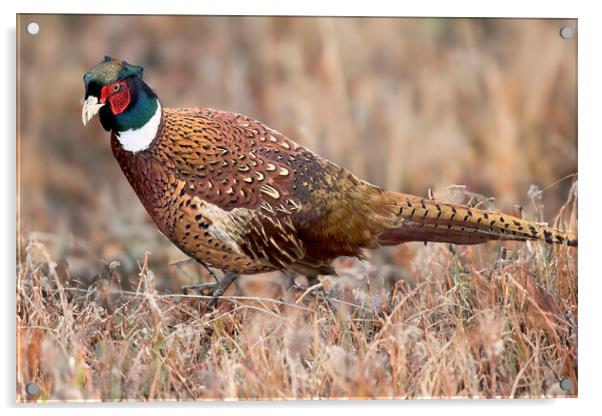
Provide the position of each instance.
(136, 140)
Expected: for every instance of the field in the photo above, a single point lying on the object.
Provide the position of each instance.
(488, 104)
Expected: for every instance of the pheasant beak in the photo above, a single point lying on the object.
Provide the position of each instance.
(90, 109)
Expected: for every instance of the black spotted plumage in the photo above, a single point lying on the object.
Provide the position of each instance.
(237, 195)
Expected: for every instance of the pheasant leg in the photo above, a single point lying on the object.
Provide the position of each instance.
(215, 290)
(288, 282)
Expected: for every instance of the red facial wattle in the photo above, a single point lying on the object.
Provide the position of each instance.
(118, 100)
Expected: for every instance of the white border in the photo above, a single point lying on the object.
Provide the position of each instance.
(590, 152)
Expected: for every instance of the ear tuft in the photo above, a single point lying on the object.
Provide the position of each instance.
(133, 69)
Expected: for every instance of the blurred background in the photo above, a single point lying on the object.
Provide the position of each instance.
(408, 104)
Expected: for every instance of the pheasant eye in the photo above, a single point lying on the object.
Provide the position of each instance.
(116, 87)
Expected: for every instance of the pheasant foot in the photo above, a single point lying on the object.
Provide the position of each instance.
(215, 290)
(319, 292)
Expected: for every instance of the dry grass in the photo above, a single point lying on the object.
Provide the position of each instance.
(489, 321)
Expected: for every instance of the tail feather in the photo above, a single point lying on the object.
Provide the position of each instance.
(431, 220)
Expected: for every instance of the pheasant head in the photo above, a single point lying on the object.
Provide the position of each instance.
(125, 104)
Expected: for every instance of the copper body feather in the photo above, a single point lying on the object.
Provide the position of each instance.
(239, 196)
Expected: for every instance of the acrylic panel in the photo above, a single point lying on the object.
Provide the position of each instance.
(257, 208)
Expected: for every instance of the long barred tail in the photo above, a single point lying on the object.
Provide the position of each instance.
(431, 220)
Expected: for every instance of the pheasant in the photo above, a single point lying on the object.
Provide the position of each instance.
(238, 196)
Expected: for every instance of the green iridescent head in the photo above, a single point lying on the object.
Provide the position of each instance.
(114, 89)
(109, 71)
